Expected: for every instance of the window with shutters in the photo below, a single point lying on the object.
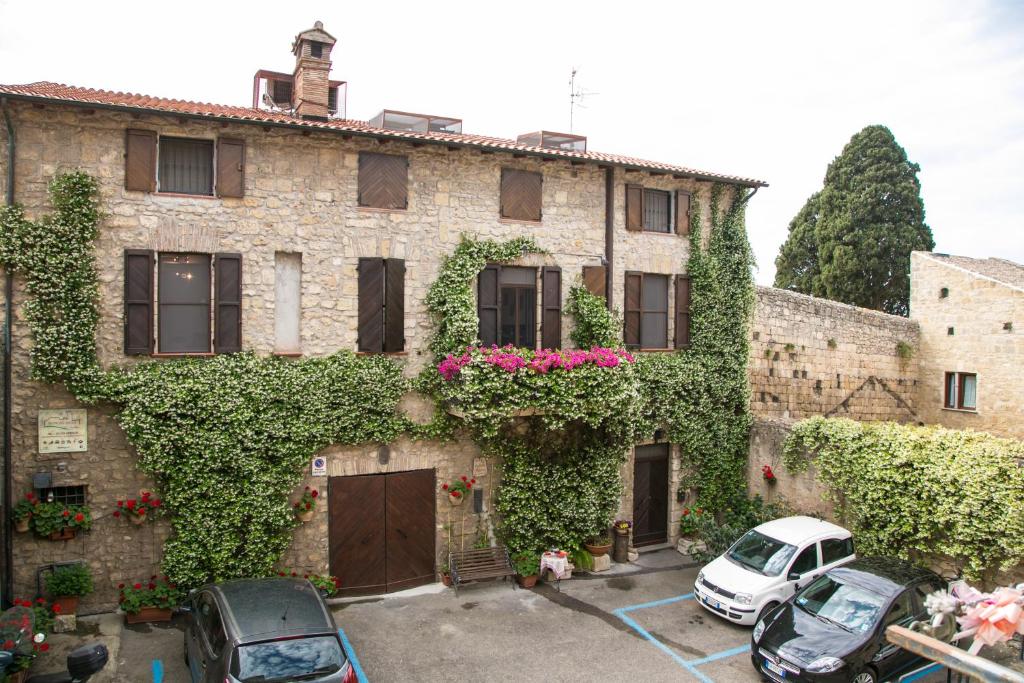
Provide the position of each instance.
(507, 306)
(521, 194)
(185, 166)
(383, 181)
(657, 211)
(961, 391)
(183, 303)
(646, 311)
(381, 305)
(651, 210)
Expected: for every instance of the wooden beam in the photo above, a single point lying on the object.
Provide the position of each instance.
(951, 656)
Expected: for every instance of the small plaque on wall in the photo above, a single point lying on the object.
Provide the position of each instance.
(479, 468)
(63, 431)
(319, 466)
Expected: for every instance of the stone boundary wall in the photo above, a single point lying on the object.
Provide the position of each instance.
(811, 356)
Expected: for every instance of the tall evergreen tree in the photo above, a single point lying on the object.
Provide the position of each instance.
(851, 241)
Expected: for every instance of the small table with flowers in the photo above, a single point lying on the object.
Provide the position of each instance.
(556, 562)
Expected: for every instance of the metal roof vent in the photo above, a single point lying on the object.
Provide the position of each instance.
(417, 123)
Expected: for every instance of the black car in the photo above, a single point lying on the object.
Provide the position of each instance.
(264, 630)
(834, 629)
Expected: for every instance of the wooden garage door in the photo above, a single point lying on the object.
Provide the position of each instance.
(650, 494)
(382, 531)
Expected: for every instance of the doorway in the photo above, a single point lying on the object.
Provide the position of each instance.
(650, 494)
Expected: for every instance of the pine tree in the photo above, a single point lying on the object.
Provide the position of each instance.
(851, 241)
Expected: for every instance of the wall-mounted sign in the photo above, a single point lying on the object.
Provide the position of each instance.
(63, 431)
(479, 468)
(319, 466)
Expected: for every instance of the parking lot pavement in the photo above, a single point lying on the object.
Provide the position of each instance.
(153, 653)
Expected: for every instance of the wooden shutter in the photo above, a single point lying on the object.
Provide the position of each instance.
(682, 311)
(595, 279)
(138, 302)
(634, 289)
(371, 304)
(551, 307)
(140, 160)
(227, 303)
(230, 167)
(383, 181)
(682, 212)
(394, 304)
(487, 304)
(634, 208)
(521, 193)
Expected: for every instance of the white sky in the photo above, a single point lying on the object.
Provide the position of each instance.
(771, 90)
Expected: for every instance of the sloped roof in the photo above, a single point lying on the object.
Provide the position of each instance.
(57, 92)
(1001, 270)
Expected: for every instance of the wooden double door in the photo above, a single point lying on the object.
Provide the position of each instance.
(382, 531)
(650, 494)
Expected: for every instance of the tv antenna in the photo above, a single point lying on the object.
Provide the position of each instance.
(576, 97)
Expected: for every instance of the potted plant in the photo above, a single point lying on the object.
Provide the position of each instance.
(689, 522)
(622, 527)
(60, 522)
(67, 584)
(306, 504)
(458, 489)
(138, 511)
(620, 553)
(527, 566)
(599, 545)
(768, 474)
(325, 583)
(23, 512)
(150, 601)
(446, 576)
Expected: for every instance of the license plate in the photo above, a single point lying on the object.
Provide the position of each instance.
(713, 603)
(774, 668)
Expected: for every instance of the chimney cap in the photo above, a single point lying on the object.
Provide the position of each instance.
(315, 34)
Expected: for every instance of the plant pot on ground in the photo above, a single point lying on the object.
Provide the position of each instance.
(527, 566)
(67, 584)
(153, 600)
(599, 545)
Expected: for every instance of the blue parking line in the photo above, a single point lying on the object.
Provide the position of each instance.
(351, 652)
(917, 675)
(158, 671)
(689, 664)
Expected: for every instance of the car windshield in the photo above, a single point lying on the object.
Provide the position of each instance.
(288, 660)
(854, 608)
(760, 553)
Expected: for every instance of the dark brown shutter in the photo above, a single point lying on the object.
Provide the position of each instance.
(227, 303)
(634, 207)
(595, 279)
(383, 181)
(682, 311)
(394, 305)
(551, 307)
(631, 329)
(682, 212)
(521, 193)
(140, 160)
(230, 167)
(487, 304)
(371, 304)
(138, 302)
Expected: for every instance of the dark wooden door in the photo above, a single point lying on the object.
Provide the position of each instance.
(382, 531)
(650, 494)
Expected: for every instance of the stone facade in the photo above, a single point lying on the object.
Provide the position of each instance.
(971, 315)
(300, 197)
(812, 356)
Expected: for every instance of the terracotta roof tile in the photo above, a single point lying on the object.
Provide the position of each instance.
(44, 90)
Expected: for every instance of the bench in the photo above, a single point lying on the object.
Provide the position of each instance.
(478, 564)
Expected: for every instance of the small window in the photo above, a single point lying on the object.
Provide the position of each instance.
(950, 331)
(657, 211)
(185, 166)
(518, 303)
(646, 314)
(381, 305)
(316, 49)
(961, 391)
(383, 181)
(835, 549)
(806, 561)
(521, 194)
(944, 292)
(183, 303)
(66, 495)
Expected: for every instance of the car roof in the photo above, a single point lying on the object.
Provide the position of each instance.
(800, 529)
(886, 576)
(258, 609)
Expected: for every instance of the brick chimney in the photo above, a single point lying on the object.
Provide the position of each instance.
(312, 50)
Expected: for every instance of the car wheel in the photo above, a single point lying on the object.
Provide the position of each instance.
(765, 610)
(865, 676)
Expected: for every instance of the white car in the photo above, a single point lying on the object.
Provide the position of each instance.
(768, 564)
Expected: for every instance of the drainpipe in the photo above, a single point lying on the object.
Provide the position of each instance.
(8, 587)
(609, 232)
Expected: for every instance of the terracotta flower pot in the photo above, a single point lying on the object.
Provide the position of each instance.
(17, 677)
(21, 525)
(137, 519)
(65, 534)
(455, 500)
(598, 550)
(148, 614)
(305, 516)
(446, 579)
(527, 581)
(68, 603)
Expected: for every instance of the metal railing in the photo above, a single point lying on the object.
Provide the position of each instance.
(951, 657)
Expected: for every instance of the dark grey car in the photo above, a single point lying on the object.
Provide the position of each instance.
(263, 631)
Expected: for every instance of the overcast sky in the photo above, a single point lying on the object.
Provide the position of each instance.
(771, 90)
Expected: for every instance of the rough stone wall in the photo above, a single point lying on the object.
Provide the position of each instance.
(810, 356)
(300, 197)
(977, 309)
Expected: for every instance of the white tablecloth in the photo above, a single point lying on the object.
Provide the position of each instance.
(559, 566)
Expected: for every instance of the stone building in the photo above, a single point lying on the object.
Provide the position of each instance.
(297, 218)
(971, 314)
